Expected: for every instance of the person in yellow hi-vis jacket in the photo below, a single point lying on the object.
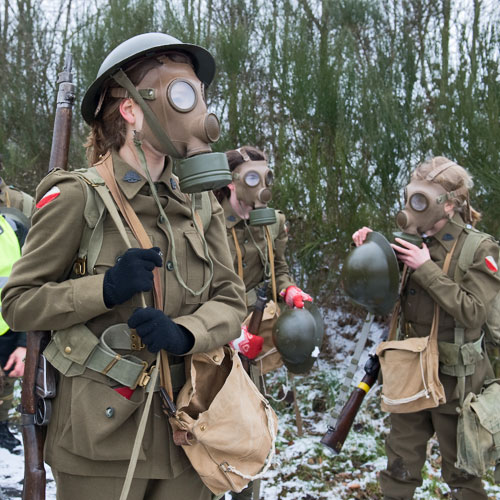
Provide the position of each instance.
(13, 226)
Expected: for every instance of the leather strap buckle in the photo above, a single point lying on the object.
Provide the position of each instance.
(144, 377)
(80, 266)
(136, 343)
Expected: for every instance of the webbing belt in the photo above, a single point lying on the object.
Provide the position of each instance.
(127, 370)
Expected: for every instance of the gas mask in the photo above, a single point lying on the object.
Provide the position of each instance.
(424, 207)
(176, 121)
(252, 181)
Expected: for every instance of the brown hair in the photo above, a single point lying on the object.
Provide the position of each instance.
(235, 157)
(452, 177)
(108, 131)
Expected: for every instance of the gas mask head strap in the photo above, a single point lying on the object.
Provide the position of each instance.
(439, 170)
(243, 154)
(451, 195)
(122, 79)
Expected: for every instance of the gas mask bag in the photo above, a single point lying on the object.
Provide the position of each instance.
(252, 181)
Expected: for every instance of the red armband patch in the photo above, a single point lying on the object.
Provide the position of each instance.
(50, 195)
(491, 263)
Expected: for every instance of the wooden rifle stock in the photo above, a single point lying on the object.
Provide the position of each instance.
(33, 435)
(335, 437)
(256, 319)
(35, 411)
(258, 309)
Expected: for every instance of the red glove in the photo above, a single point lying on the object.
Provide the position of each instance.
(248, 344)
(295, 297)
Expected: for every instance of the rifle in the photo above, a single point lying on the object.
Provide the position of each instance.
(256, 319)
(38, 384)
(335, 436)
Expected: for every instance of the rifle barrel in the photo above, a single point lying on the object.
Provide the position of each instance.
(62, 122)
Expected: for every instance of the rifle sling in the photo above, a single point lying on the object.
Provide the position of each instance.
(344, 389)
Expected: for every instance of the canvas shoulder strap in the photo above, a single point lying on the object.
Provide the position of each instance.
(274, 228)
(202, 209)
(473, 240)
(98, 204)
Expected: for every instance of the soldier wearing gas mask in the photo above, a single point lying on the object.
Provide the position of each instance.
(257, 236)
(145, 108)
(436, 221)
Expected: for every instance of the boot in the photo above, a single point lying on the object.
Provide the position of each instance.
(7, 439)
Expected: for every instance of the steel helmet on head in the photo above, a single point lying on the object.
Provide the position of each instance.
(298, 335)
(370, 275)
(145, 44)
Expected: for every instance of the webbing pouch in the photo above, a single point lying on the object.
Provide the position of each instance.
(70, 348)
(460, 360)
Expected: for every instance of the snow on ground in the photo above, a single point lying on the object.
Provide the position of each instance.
(12, 473)
(304, 469)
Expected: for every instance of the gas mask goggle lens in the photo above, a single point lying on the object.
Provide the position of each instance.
(182, 96)
(419, 202)
(252, 178)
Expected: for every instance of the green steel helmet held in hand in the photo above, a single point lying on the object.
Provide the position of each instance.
(298, 335)
(370, 275)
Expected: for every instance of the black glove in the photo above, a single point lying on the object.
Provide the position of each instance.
(132, 273)
(158, 331)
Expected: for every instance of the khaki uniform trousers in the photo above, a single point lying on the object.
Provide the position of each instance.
(406, 448)
(187, 486)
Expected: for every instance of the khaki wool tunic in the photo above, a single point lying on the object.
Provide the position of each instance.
(93, 427)
(467, 302)
(253, 253)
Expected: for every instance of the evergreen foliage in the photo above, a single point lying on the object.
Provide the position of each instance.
(346, 97)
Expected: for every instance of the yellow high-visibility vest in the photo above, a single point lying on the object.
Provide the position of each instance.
(10, 251)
